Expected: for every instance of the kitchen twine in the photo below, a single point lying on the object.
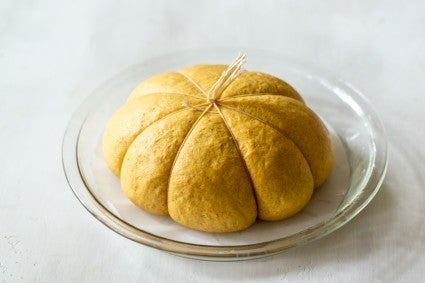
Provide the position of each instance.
(225, 79)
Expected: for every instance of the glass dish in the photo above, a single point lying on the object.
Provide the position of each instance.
(358, 138)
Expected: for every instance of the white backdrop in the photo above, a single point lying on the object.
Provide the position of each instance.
(50, 50)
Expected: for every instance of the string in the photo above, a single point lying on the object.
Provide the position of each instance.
(227, 77)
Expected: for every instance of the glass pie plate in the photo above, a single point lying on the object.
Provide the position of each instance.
(358, 139)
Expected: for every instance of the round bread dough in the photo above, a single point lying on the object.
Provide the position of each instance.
(217, 157)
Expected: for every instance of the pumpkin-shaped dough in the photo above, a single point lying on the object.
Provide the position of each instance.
(216, 148)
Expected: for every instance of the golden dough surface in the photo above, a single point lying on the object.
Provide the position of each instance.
(217, 149)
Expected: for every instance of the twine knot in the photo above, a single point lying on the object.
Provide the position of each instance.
(226, 78)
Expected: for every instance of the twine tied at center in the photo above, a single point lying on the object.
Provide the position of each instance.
(226, 78)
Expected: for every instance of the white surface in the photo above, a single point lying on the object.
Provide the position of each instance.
(49, 50)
